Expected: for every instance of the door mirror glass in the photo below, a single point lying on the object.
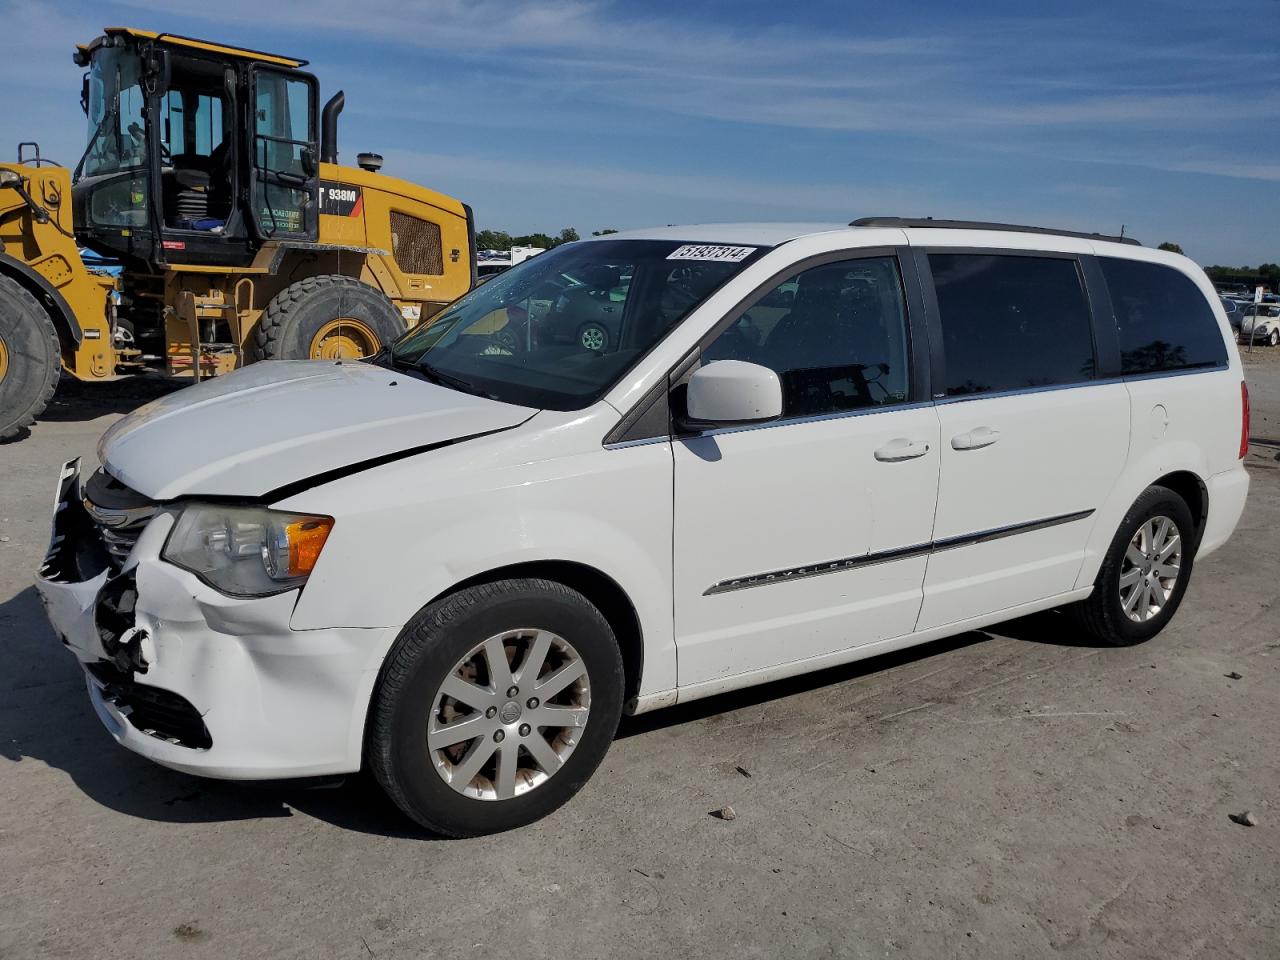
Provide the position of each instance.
(734, 391)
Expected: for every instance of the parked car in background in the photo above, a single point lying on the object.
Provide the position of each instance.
(1260, 323)
(491, 263)
(587, 305)
(1234, 309)
(1233, 290)
(458, 563)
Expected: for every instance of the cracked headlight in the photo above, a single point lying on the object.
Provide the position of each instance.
(247, 551)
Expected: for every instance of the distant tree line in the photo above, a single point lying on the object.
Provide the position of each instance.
(1265, 274)
(501, 240)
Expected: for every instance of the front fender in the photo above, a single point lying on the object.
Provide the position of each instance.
(64, 318)
(409, 531)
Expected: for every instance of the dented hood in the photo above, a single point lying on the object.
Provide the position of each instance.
(280, 422)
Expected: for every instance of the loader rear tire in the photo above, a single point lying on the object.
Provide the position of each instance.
(302, 321)
(29, 358)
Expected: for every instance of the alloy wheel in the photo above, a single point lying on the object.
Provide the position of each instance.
(1150, 569)
(509, 714)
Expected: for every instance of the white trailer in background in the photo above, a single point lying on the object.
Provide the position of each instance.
(490, 263)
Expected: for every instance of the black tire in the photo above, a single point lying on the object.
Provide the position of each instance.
(597, 332)
(1102, 614)
(31, 358)
(426, 652)
(298, 312)
(1275, 338)
(508, 340)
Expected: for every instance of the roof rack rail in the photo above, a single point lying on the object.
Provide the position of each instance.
(982, 225)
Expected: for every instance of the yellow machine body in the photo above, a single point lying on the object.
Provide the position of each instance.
(412, 245)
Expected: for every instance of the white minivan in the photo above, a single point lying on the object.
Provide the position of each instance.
(786, 447)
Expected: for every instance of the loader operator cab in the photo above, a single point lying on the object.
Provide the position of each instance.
(197, 153)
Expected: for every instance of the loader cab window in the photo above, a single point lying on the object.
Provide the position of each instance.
(115, 108)
(192, 125)
(197, 168)
(284, 153)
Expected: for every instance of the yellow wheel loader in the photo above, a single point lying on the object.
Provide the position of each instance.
(210, 186)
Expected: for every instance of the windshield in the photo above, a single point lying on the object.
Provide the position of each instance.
(560, 329)
(117, 138)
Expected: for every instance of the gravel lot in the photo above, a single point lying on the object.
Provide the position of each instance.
(1005, 793)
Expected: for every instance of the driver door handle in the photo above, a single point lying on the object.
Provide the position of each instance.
(900, 448)
(975, 439)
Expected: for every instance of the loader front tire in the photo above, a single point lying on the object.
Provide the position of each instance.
(29, 358)
(329, 317)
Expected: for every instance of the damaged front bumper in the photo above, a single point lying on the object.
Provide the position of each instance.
(196, 680)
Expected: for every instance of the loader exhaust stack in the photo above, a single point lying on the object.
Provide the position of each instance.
(329, 127)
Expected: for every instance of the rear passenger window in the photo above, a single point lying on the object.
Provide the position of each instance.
(836, 335)
(1165, 321)
(1011, 322)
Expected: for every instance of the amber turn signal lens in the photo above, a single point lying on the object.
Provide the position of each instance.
(306, 540)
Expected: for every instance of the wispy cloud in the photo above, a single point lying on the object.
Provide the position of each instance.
(970, 80)
(826, 200)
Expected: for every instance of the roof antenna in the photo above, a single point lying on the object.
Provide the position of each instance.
(1122, 231)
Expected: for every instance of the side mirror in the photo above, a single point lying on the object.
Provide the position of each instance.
(733, 391)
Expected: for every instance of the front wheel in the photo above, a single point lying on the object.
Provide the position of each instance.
(495, 706)
(29, 358)
(1144, 574)
(1274, 339)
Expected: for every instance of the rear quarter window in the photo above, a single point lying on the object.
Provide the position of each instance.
(1165, 322)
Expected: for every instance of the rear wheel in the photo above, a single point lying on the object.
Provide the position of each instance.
(495, 706)
(326, 318)
(29, 358)
(1144, 574)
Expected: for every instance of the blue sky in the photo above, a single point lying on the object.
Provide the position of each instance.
(1164, 117)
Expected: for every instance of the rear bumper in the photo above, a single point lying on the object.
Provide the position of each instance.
(1227, 494)
(273, 702)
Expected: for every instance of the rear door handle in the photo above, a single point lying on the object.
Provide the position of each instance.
(900, 448)
(975, 439)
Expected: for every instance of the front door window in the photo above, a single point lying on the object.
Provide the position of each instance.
(835, 335)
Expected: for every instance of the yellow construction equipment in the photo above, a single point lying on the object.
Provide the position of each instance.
(210, 185)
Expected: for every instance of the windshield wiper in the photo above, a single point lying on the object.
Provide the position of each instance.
(443, 379)
(434, 375)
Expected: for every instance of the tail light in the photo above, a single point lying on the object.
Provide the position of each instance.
(1244, 419)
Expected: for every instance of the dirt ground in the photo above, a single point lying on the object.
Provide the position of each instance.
(1011, 793)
